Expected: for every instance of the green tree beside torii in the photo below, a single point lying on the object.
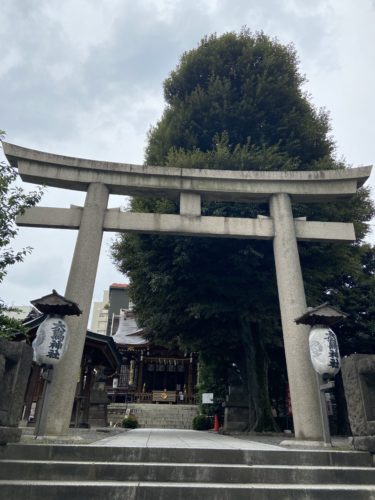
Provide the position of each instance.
(13, 201)
(236, 103)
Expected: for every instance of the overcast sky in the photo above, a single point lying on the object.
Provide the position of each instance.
(84, 78)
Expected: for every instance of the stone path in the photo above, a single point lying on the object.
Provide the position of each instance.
(179, 438)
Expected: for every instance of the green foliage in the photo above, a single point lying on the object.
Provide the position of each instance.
(353, 291)
(223, 156)
(9, 327)
(202, 423)
(13, 201)
(130, 422)
(247, 86)
(236, 103)
(214, 372)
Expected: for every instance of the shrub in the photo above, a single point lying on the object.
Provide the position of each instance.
(130, 422)
(202, 423)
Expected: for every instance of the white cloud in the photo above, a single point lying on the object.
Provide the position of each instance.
(11, 59)
(161, 10)
(84, 78)
(84, 24)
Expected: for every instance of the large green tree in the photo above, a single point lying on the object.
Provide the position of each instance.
(235, 102)
(13, 201)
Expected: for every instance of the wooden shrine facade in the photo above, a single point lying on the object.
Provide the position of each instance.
(150, 373)
(155, 375)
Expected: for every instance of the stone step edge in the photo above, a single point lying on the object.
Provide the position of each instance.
(73, 447)
(287, 451)
(178, 455)
(205, 486)
(190, 465)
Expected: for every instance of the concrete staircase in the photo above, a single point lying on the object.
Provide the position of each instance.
(155, 416)
(78, 472)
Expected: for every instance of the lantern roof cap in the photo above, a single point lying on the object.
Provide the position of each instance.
(54, 303)
(324, 314)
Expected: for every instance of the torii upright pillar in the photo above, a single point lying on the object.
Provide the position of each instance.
(57, 405)
(301, 376)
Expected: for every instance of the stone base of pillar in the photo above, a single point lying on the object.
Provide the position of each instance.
(9, 435)
(236, 412)
(236, 418)
(294, 443)
(363, 443)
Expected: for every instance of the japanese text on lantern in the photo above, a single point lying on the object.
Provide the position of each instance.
(57, 340)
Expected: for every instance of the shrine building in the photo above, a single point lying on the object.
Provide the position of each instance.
(149, 373)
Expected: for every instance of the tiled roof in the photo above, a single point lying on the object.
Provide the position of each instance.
(128, 332)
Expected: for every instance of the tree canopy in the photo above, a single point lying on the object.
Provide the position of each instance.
(249, 87)
(13, 201)
(236, 102)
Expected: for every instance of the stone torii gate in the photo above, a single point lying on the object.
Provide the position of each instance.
(189, 186)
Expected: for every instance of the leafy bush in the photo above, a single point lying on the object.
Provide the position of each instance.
(130, 422)
(13, 201)
(202, 423)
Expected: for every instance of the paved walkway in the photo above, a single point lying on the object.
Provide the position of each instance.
(178, 438)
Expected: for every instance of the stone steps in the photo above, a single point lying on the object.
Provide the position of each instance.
(41, 472)
(92, 453)
(155, 416)
(174, 472)
(113, 490)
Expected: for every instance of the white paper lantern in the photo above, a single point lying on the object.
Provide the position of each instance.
(324, 350)
(51, 341)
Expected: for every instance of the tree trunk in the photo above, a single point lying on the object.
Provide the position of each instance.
(256, 364)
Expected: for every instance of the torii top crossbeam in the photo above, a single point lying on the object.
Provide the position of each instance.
(220, 185)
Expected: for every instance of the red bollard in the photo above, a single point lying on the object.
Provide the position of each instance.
(216, 424)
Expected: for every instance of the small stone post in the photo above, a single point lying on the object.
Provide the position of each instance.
(358, 375)
(15, 366)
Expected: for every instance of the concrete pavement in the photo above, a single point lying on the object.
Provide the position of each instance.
(180, 438)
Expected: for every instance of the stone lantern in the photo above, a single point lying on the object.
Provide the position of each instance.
(52, 336)
(324, 352)
(51, 339)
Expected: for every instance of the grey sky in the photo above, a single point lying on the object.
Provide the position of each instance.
(84, 78)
